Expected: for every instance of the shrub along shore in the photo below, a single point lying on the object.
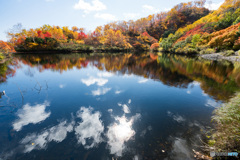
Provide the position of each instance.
(226, 135)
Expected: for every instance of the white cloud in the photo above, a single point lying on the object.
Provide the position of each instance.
(188, 92)
(149, 128)
(213, 6)
(179, 118)
(124, 107)
(100, 91)
(149, 9)
(90, 128)
(105, 16)
(212, 103)
(31, 114)
(143, 81)
(89, 131)
(180, 150)
(176, 117)
(91, 80)
(118, 92)
(131, 16)
(105, 74)
(195, 83)
(95, 5)
(120, 132)
(204, 94)
(167, 9)
(39, 141)
(61, 86)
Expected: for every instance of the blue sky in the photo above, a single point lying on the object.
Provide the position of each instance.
(81, 13)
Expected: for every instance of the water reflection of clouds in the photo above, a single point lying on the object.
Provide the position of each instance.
(100, 91)
(118, 91)
(204, 94)
(31, 114)
(120, 132)
(62, 86)
(89, 131)
(143, 133)
(39, 141)
(212, 103)
(90, 128)
(180, 150)
(91, 80)
(192, 85)
(101, 80)
(124, 107)
(195, 83)
(176, 117)
(105, 74)
(143, 81)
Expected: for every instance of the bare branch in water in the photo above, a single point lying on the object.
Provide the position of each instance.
(20, 92)
(40, 87)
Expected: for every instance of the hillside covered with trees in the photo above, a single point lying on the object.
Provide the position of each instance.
(218, 31)
(188, 28)
(142, 34)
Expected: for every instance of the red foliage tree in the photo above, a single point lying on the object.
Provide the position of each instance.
(81, 36)
(5, 47)
(48, 35)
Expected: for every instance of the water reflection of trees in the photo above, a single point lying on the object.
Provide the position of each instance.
(8, 69)
(218, 79)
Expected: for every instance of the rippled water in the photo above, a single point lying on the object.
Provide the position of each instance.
(109, 106)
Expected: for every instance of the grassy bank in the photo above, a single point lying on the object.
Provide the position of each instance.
(226, 136)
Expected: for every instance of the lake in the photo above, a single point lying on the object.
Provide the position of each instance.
(110, 106)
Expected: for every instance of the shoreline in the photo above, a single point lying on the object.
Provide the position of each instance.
(219, 57)
(5, 59)
(212, 57)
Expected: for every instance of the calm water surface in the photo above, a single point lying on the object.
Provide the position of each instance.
(100, 107)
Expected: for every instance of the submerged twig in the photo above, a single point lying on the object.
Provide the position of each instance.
(39, 90)
(20, 92)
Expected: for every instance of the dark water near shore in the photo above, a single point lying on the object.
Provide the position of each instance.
(108, 106)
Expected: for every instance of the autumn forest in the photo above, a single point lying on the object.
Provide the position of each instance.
(188, 28)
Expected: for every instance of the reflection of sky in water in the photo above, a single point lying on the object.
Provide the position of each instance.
(31, 114)
(91, 80)
(170, 115)
(176, 117)
(118, 91)
(120, 132)
(91, 127)
(100, 91)
(39, 141)
(180, 150)
(212, 103)
(89, 132)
